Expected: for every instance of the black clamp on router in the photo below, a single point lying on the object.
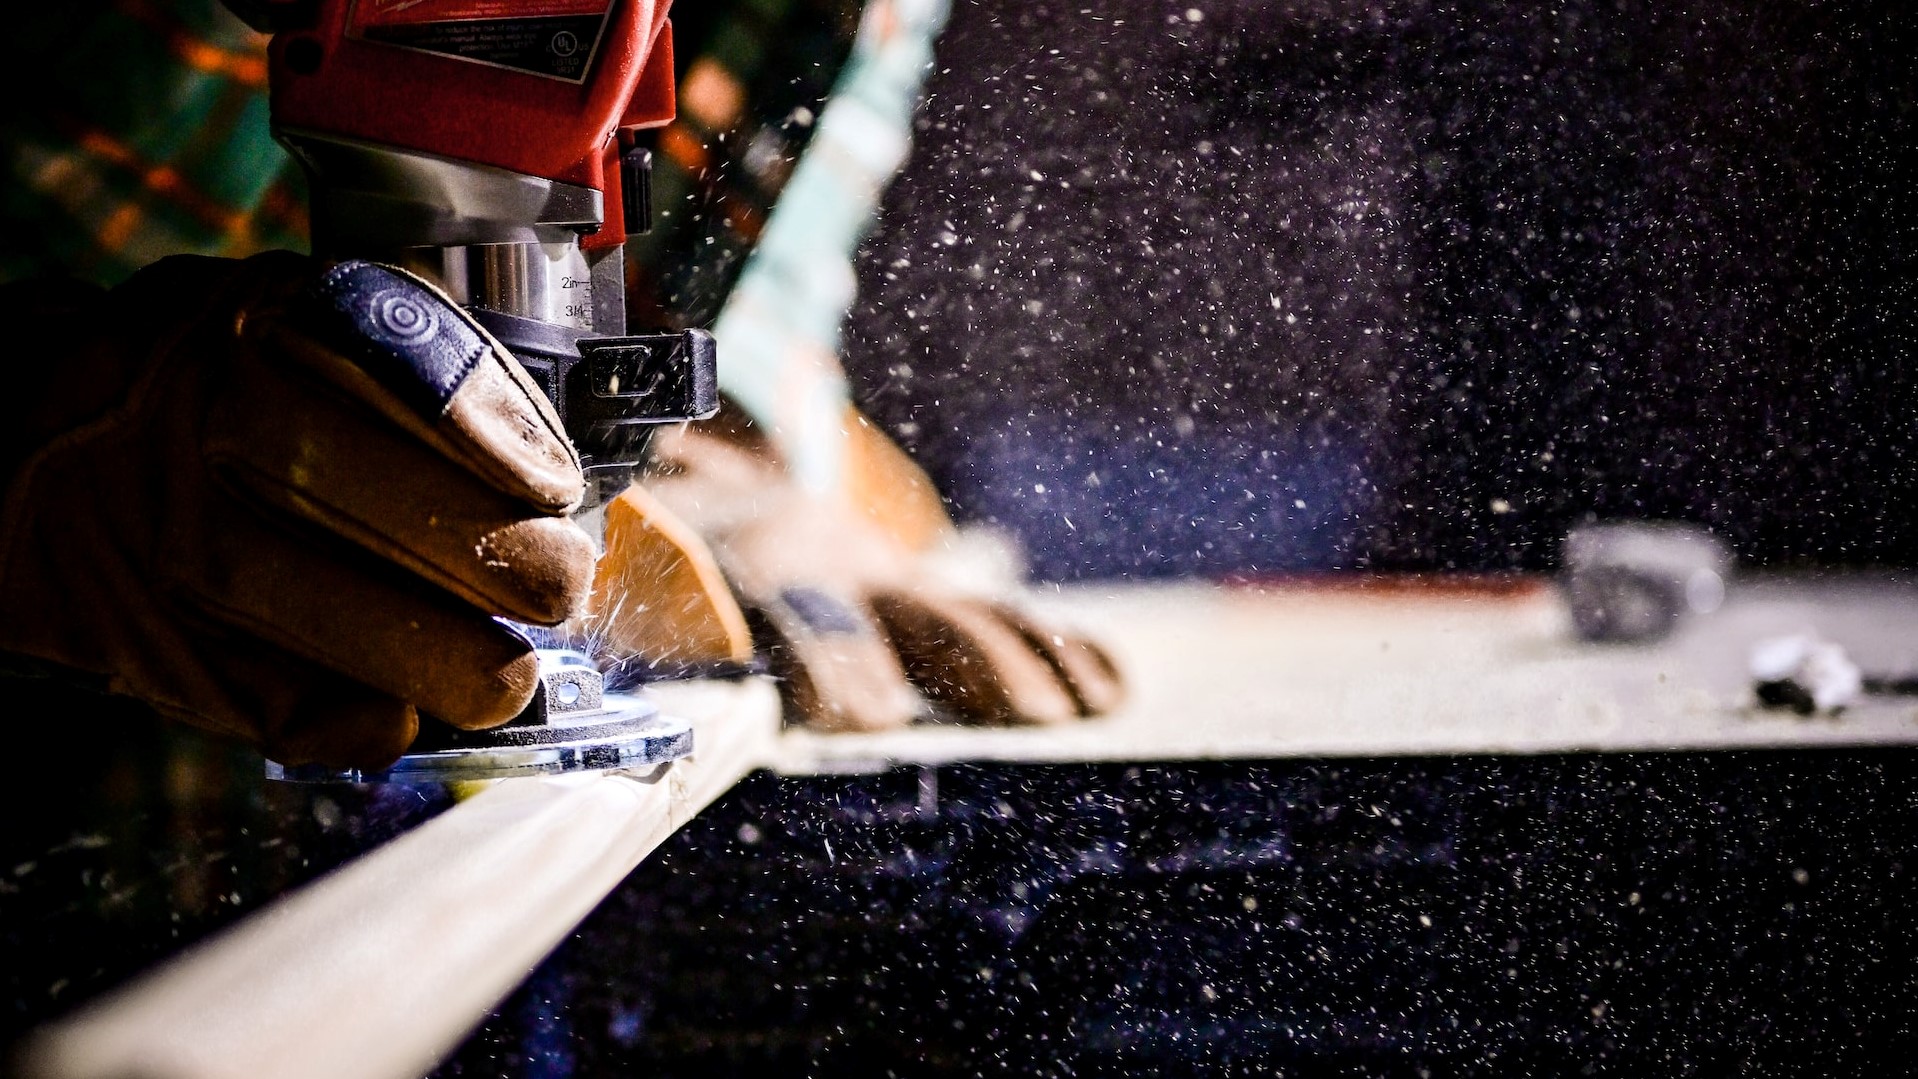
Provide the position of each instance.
(610, 392)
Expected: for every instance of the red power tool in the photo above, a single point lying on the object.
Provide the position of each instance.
(490, 146)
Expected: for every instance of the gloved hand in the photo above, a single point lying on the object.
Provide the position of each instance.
(284, 502)
(859, 630)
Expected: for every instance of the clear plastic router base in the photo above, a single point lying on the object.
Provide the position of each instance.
(629, 733)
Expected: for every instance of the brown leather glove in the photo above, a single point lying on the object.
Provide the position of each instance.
(861, 633)
(284, 502)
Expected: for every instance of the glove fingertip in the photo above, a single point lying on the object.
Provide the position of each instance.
(517, 440)
(357, 727)
(508, 690)
(541, 569)
(966, 656)
(1085, 667)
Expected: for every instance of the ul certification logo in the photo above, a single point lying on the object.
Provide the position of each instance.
(564, 44)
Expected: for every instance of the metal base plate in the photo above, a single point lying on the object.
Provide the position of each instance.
(627, 732)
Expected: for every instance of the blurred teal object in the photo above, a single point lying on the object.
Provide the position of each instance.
(779, 331)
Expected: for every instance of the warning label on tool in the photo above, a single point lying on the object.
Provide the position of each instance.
(554, 38)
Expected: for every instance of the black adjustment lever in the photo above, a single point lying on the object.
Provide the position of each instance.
(636, 190)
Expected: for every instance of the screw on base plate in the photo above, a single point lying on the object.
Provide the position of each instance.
(572, 725)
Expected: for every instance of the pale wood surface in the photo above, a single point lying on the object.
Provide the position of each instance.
(1340, 670)
(383, 966)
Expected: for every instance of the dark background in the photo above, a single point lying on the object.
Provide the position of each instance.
(1404, 283)
(1632, 915)
(1299, 286)
(1629, 914)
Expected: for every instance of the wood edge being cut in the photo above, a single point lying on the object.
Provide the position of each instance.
(383, 966)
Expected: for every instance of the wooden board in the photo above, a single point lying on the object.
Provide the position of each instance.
(382, 967)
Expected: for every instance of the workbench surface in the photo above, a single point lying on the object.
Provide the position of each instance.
(1398, 666)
